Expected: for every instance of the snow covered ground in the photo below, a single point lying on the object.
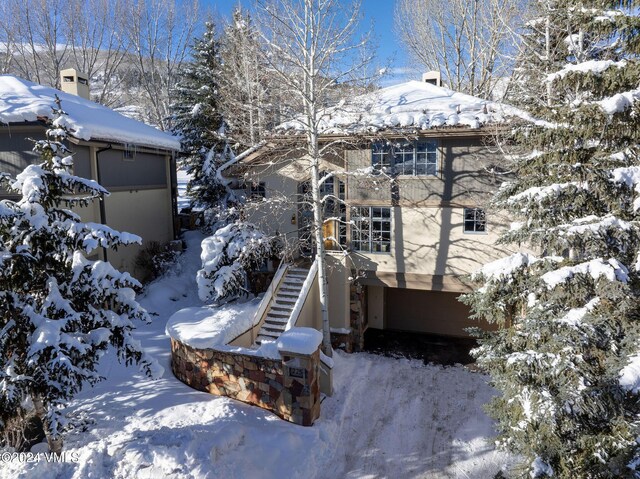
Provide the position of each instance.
(389, 417)
(183, 178)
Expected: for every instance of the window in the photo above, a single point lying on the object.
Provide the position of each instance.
(403, 158)
(129, 152)
(414, 158)
(257, 190)
(380, 157)
(426, 162)
(371, 229)
(475, 220)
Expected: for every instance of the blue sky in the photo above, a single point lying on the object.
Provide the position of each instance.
(378, 14)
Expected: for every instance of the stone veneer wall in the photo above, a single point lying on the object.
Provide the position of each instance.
(354, 340)
(288, 386)
(358, 320)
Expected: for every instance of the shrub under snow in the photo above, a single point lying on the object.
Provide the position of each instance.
(227, 256)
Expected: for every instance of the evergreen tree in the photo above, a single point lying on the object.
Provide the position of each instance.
(566, 357)
(59, 311)
(199, 122)
(227, 256)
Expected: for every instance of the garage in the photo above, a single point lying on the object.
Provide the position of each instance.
(421, 311)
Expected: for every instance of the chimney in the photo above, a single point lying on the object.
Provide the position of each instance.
(432, 77)
(75, 83)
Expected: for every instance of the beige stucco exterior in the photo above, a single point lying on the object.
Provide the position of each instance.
(154, 225)
(141, 187)
(430, 241)
(430, 256)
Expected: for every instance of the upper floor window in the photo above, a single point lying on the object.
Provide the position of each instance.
(257, 190)
(414, 158)
(475, 220)
(129, 152)
(371, 229)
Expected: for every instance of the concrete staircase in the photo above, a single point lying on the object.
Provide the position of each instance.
(282, 304)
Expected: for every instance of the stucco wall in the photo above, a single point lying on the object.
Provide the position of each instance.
(427, 212)
(130, 207)
(281, 192)
(338, 285)
(310, 313)
(431, 241)
(146, 213)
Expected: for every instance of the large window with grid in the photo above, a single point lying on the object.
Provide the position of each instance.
(475, 220)
(413, 158)
(371, 229)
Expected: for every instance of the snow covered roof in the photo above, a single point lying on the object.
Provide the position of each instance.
(22, 100)
(412, 105)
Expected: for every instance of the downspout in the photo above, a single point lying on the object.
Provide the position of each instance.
(103, 214)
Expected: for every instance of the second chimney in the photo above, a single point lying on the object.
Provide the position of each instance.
(432, 77)
(75, 83)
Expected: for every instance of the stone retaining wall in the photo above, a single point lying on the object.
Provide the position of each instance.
(288, 386)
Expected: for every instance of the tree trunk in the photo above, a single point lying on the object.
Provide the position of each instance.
(54, 442)
(320, 256)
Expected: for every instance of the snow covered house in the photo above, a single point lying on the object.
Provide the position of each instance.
(133, 161)
(411, 172)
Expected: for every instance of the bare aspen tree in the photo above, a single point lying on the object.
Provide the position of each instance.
(40, 39)
(97, 45)
(7, 39)
(43, 37)
(130, 49)
(311, 46)
(244, 83)
(469, 42)
(159, 33)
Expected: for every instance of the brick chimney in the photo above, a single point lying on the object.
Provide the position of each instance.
(75, 83)
(432, 77)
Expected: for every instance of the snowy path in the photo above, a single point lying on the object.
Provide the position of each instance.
(388, 418)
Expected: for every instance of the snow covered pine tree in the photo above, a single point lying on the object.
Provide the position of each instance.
(199, 124)
(227, 255)
(59, 311)
(567, 359)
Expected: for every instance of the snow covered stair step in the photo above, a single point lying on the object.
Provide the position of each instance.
(285, 301)
(273, 328)
(276, 320)
(297, 269)
(282, 307)
(289, 290)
